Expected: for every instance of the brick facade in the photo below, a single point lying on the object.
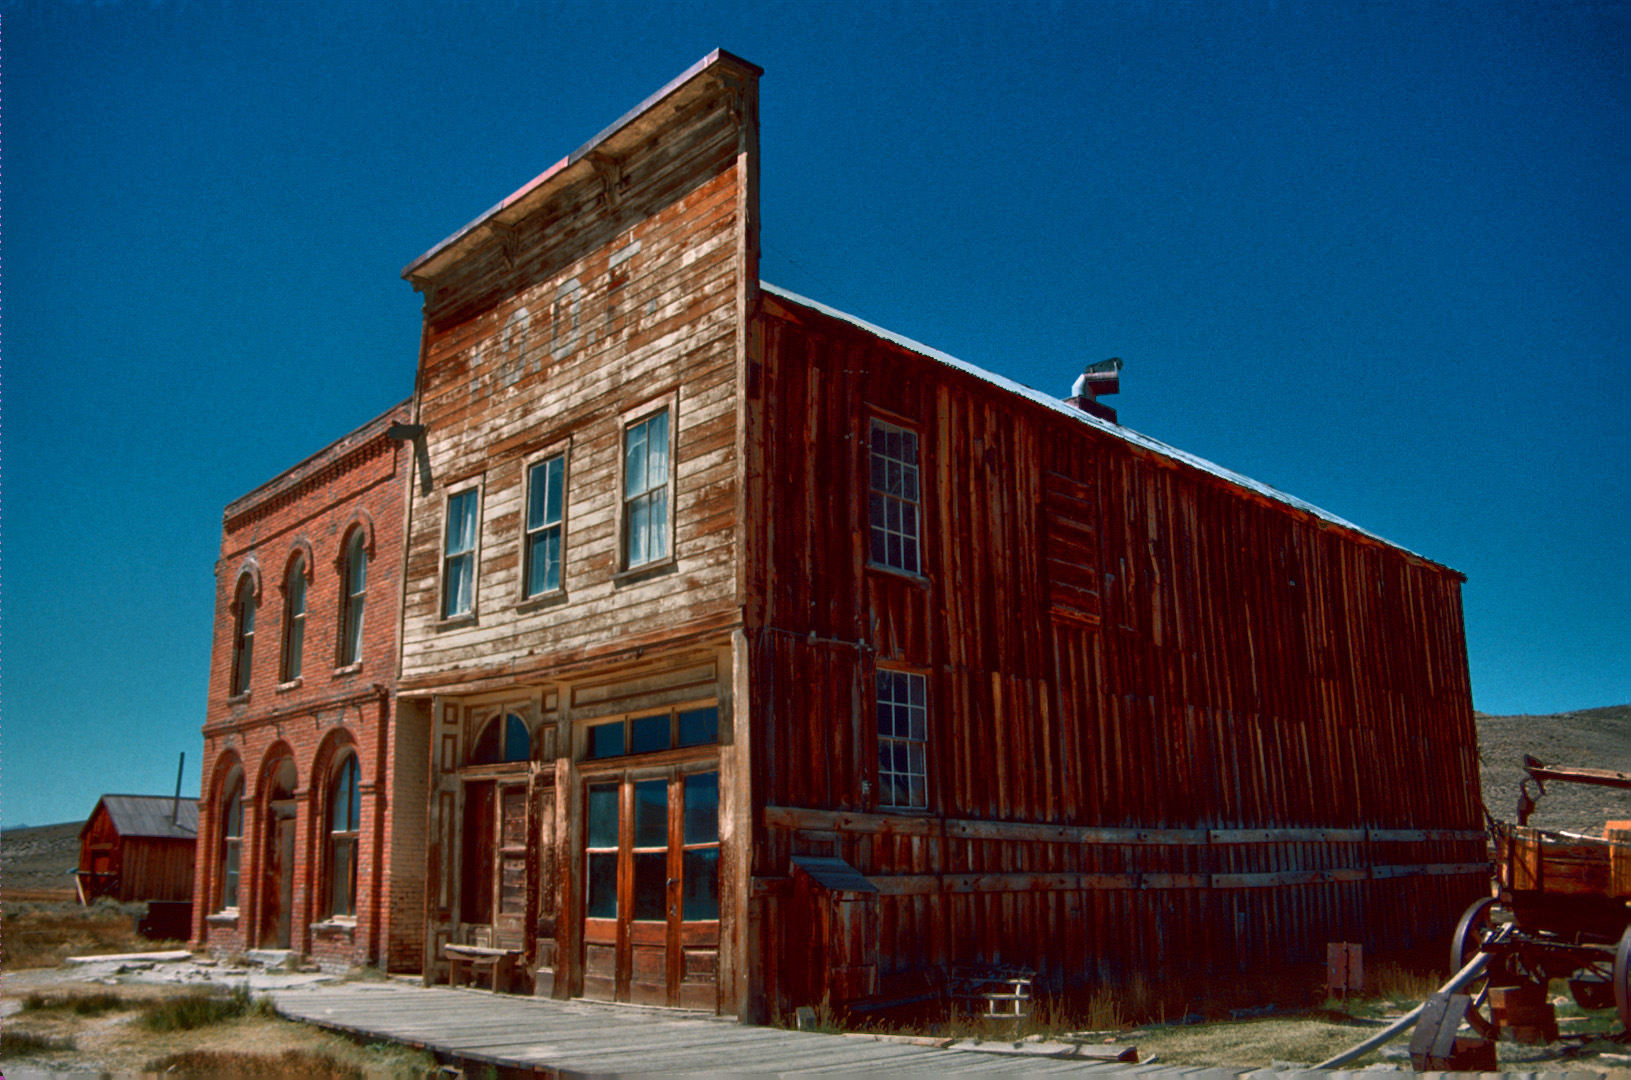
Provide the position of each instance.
(288, 735)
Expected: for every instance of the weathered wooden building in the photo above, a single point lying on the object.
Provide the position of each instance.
(138, 847)
(764, 655)
(313, 793)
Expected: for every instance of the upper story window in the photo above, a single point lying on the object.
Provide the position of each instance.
(546, 492)
(232, 828)
(356, 592)
(243, 636)
(294, 619)
(903, 735)
(647, 482)
(459, 554)
(894, 498)
(344, 824)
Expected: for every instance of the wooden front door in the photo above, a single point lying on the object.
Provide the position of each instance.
(651, 904)
(493, 890)
(279, 890)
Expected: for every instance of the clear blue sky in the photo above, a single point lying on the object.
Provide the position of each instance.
(1374, 254)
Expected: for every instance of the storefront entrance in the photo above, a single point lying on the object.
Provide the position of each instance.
(651, 905)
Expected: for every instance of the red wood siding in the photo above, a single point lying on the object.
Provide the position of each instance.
(1111, 640)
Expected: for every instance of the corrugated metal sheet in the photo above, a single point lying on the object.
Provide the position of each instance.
(1058, 406)
(149, 815)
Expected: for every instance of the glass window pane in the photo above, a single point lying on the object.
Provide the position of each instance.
(538, 495)
(659, 524)
(557, 489)
(651, 813)
(229, 875)
(634, 461)
(606, 740)
(657, 442)
(639, 530)
(517, 743)
(702, 808)
(603, 815)
(701, 877)
(651, 885)
(356, 565)
(602, 901)
(342, 877)
(699, 727)
(648, 733)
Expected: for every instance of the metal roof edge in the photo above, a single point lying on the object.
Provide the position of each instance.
(651, 102)
(1119, 431)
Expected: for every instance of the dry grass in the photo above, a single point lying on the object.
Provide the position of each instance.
(213, 1063)
(41, 934)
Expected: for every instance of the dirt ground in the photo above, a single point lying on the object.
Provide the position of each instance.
(116, 1041)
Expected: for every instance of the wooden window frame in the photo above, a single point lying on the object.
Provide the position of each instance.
(562, 450)
(875, 530)
(473, 553)
(244, 603)
(296, 585)
(628, 760)
(630, 419)
(348, 647)
(884, 798)
(333, 837)
(231, 843)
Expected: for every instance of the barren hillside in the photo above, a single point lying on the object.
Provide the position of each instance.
(1590, 738)
(38, 858)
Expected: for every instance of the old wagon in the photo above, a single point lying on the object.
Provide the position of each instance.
(1561, 910)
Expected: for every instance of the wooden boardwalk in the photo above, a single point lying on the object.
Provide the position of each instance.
(576, 1038)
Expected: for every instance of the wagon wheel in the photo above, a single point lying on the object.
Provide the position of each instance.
(1477, 926)
(1622, 979)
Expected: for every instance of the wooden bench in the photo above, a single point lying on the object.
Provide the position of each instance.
(462, 959)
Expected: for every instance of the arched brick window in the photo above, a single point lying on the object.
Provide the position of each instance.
(344, 822)
(243, 635)
(230, 813)
(294, 618)
(355, 584)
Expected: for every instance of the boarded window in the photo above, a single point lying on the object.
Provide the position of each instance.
(895, 497)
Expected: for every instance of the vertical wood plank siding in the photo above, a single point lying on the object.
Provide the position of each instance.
(1110, 639)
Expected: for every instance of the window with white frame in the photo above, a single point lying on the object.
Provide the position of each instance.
(232, 828)
(344, 825)
(294, 618)
(355, 573)
(459, 554)
(647, 476)
(243, 637)
(894, 499)
(546, 494)
(903, 734)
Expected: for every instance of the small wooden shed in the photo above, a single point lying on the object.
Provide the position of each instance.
(138, 847)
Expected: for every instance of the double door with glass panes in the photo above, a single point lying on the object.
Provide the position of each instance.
(651, 888)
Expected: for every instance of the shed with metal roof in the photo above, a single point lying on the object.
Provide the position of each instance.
(138, 847)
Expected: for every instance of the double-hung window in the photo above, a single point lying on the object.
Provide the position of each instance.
(459, 554)
(232, 828)
(294, 618)
(243, 638)
(903, 736)
(344, 822)
(546, 491)
(894, 500)
(647, 483)
(356, 596)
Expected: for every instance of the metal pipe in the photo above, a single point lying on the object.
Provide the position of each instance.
(1474, 968)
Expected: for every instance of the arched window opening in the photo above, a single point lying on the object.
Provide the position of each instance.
(344, 818)
(231, 816)
(294, 619)
(516, 744)
(243, 638)
(356, 588)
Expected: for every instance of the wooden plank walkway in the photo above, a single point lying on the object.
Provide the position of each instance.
(578, 1038)
(538, 1036)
